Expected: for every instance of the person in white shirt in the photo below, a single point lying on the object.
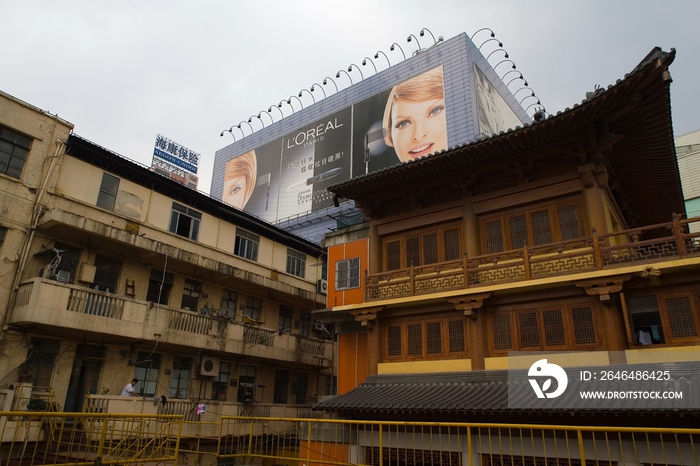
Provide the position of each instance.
(129, 388)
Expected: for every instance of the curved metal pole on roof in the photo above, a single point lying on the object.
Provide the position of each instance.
(392, 49)
(376, 55)
(362, 76)
(313, 88)
(249, 126)
(325, 81)
(268, 114)
(536, 103)
(499, 49)
(527, 97)
(493, 34)
(422, 33)
(289, 101)
(239, 127)
(364, 63)
(500, 44)
(515, 78)
(511, 61)
(228, 131)
(409, 40)
(284, 101)
(258, 117)
(524, 87)
(308, 92)
(278, 109)
(337, 75)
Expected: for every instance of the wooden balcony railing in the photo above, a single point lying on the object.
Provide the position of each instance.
(592, 253)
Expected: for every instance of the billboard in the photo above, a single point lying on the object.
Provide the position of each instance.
(289, 176)
(175, 155)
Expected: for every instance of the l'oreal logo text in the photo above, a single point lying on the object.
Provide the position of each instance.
(313, 135)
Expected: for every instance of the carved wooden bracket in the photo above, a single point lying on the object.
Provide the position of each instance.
(603, 287)
(366, 317)
(469, 303)
(468, 186)
(418, 198)
(524, 171)
(371, 210)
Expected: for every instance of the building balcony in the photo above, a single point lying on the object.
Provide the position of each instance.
(669, 245)
(69, 310)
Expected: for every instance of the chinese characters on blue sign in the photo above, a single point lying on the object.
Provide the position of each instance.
(176, 154)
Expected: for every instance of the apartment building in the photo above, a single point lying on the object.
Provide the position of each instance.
(111, 271)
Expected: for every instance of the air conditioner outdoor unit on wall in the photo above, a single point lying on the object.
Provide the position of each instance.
(209, 366)
(63, 276)
(322, 286)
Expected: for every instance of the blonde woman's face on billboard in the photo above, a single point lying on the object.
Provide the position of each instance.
(418, 128)
(234, 191)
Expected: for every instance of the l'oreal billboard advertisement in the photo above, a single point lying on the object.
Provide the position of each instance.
(289, 176)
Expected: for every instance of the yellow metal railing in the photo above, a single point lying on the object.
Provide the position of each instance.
(314, 442)
(87, 439)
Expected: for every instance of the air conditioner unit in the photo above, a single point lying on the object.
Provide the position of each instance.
(63, 276)
(209, 366)
(322, 286)
(320, 327)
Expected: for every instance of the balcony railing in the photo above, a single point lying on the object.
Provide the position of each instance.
(588, 254)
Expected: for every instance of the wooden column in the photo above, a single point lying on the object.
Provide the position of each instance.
(470, 224)
(375, 250)
(368, 318)
(593, 178)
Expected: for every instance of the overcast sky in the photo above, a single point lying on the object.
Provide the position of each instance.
(127, 70)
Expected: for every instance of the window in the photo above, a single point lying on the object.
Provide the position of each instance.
(246, 245)
(228, 304)
(190, 295)
(147, 372)
(41, 357)
(180, 377)
(159, 287)
(220, 384)
(106, 273)
(541, 225)
(427, 339)
(296, 263)
(331, 385)
(246, 384)
(108, 191)
(185, 221)
(347, 274)
(284, 323)
(422, 247)
(281, 386)
(664, 319)
(14, 148)
(253, 308)
(301, 387)
(544, 328)
(304, 324)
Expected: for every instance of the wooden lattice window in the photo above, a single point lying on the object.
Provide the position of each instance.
(584, 330)
(534, 227)
(529, 329)
(394, 340)
(502, 335)
(456, 335)
(553, 328)
(680, 316)
(422, 247)
(432, 339)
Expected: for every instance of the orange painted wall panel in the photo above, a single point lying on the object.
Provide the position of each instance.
(340, 252)
(352, 361)
(317, 453)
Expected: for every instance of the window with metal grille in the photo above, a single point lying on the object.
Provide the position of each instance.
(394, 341)
(159, 287)
(433, 334)
(529, 331)
(417, 248)
(347, 274)
(219, 386)
(541, 229)
(253, 308)
(14, 148)
(296, 263)
(41, 357)
(680, 316)
(147, 366)
(502, 335)
(518, 231)
(190, 295)
(568, 222)
(455, 329)
(246, 384)
(180, 377)
(494, 237)
(108, 191)
(185, 221)
(246, 245)
(284, 319)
